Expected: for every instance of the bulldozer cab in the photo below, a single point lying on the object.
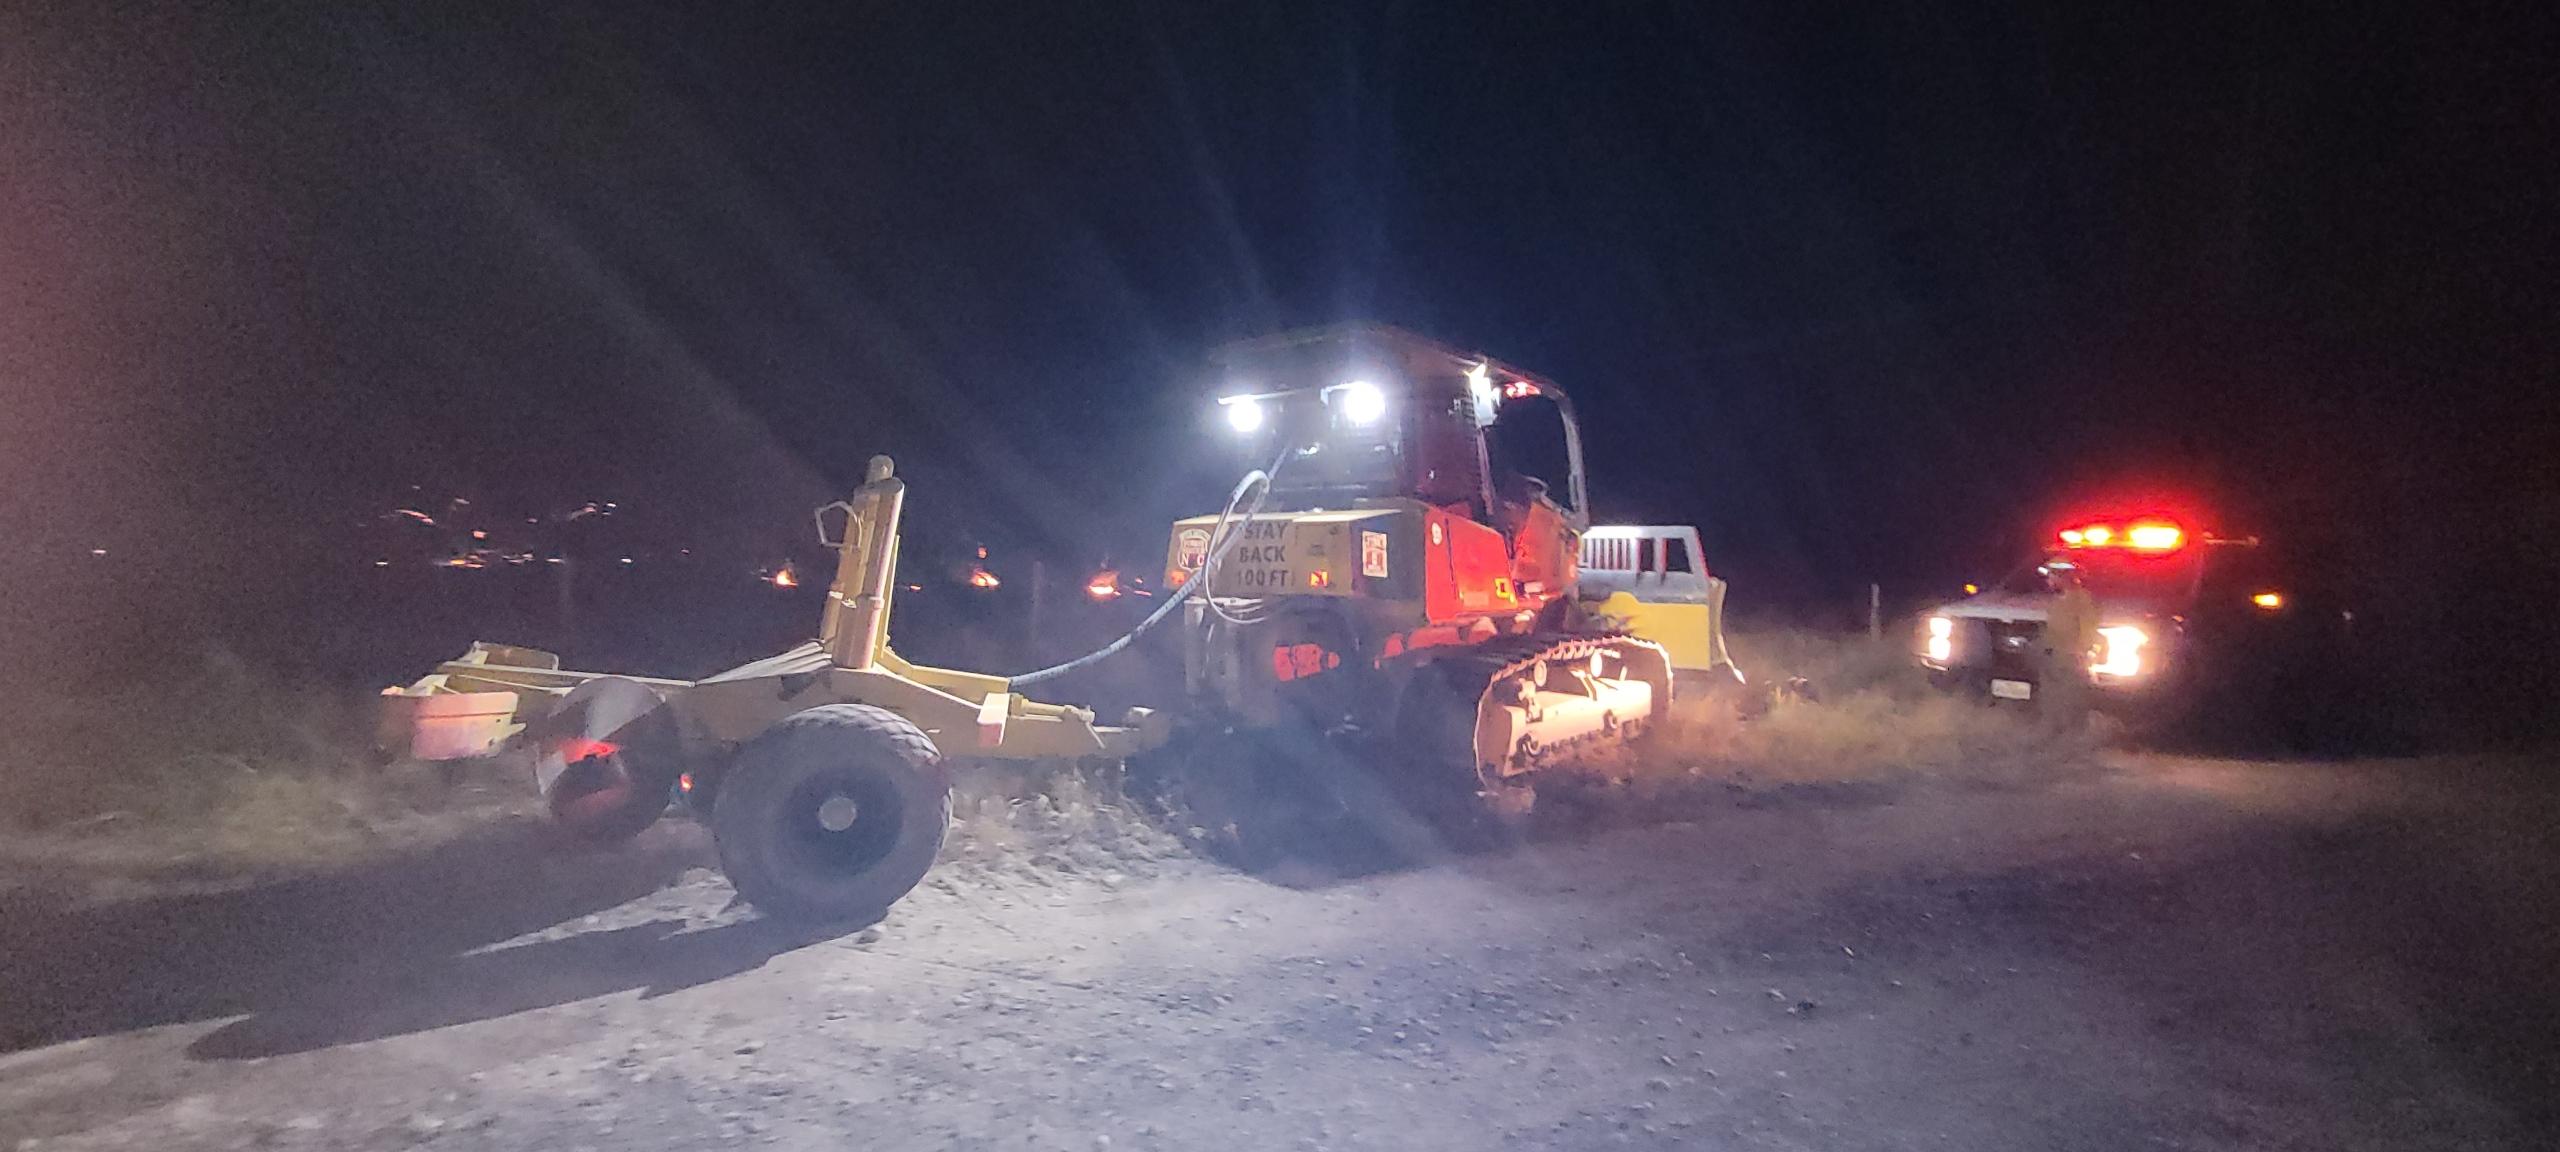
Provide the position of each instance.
(1381, 413)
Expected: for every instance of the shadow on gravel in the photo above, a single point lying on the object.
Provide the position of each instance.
(393, 946)
(1362, 831)
(660, 957)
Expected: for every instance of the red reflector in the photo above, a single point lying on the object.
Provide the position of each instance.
(1299, 661)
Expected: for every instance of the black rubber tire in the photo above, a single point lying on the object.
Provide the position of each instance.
(773, 842)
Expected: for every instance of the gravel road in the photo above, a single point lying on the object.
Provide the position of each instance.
(2160, 953)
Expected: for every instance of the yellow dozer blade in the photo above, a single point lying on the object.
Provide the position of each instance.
(1652, 580)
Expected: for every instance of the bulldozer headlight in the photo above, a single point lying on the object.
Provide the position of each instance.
(2120, 652)
(1244, 413)
(1360, 402)
(1941, 644)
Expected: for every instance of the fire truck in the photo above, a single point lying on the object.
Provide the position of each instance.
(2191, 624)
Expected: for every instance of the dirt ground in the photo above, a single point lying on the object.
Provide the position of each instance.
(2149, 952)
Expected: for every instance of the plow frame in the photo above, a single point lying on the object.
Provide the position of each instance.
(480, 701)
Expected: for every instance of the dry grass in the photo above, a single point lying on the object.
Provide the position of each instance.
(1866, 714)
(214, 773)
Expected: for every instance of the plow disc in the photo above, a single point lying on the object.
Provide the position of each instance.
(606, 759)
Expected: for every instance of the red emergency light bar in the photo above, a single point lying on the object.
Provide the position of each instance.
(2139, 536)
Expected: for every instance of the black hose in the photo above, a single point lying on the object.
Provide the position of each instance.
(1220, 540)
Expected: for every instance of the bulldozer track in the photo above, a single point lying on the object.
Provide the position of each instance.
(1438, 748)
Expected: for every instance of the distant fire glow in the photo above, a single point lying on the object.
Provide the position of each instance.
(784, 577)
(1105, 585)
(2268, 601)
(979, 577)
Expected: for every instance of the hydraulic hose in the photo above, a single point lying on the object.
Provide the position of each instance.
(1221, 538)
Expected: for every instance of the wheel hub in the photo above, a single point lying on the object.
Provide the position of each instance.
(838, 812)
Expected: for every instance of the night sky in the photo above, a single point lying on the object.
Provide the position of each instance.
(1870, 292)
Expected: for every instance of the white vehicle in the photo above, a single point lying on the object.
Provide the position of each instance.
(2175, 610)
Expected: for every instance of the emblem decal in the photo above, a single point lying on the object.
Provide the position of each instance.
(1373, 555)
(1191, 547)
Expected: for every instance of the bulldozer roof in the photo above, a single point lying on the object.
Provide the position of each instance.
(1410, 354)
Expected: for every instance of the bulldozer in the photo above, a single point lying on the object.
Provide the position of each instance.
(1399, 588)
(1412, 580)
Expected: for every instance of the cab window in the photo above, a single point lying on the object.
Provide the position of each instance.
(1527, 443)
(1446, 465)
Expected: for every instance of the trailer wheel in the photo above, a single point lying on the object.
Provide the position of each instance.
(832, 814)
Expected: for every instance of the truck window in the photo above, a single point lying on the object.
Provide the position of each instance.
(1675, 556)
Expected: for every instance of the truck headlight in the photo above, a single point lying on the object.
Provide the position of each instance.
(2120, 652)
(1940, 646)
